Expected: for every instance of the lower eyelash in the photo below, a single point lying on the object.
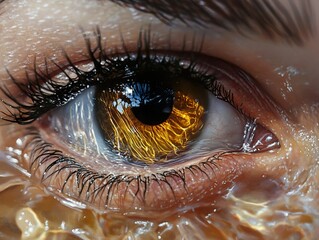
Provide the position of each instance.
(95, 187)
(76, 180)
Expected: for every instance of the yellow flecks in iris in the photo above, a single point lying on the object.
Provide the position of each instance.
(146, 143)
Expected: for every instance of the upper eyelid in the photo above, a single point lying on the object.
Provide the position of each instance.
(189, 41)
(216, 50)
(41, 83)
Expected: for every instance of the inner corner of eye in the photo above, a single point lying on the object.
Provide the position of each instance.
(136, 122)
(155, 116)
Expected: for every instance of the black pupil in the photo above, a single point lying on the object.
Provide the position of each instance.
(151, 105)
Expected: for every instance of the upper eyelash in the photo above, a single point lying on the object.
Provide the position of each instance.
(44, 93)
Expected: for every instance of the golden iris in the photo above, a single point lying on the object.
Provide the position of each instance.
(149, 123)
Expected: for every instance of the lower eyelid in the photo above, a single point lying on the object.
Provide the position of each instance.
(161, 191)
(148, 192)
(200, 183)
(205, 181)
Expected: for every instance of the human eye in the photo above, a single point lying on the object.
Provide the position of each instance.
(149, 129)
(156, 123)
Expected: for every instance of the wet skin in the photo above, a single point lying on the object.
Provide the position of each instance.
(255, 194)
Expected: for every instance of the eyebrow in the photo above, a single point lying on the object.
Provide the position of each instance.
(292, 23)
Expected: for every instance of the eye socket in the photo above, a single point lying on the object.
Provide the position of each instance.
(68, 146)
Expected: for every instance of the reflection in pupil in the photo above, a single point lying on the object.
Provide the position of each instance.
(150, 121)
(150, 105)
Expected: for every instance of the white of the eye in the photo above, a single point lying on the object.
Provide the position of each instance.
(77, 128)
(76, 125)
(223, 130)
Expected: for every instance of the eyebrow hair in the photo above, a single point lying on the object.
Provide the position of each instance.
(292, 23)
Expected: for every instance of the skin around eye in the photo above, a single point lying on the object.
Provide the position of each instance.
(274, 196)
(218, 161)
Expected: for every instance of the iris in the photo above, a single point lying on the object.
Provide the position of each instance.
(150, 121)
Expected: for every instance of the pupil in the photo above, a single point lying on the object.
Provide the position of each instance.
(150, 121)
(151, 105)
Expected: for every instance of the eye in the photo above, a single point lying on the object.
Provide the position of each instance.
(141, 130)
(152, 116)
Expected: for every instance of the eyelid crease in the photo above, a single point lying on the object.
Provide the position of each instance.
(43, 92)
(65, 174)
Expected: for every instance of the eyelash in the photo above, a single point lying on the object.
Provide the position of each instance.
(44, 93)
(86, 179)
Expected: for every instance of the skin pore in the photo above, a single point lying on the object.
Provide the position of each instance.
(272, 193)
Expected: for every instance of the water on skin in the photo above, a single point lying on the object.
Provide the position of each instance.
(262, 212)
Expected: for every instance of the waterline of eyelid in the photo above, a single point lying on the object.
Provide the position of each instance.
(54, 177)
(87, 143)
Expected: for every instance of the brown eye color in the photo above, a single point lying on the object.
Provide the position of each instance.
(151, 121)
(139, 131)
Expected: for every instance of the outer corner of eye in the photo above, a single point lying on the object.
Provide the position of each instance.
(259, 139)
(149, 136)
